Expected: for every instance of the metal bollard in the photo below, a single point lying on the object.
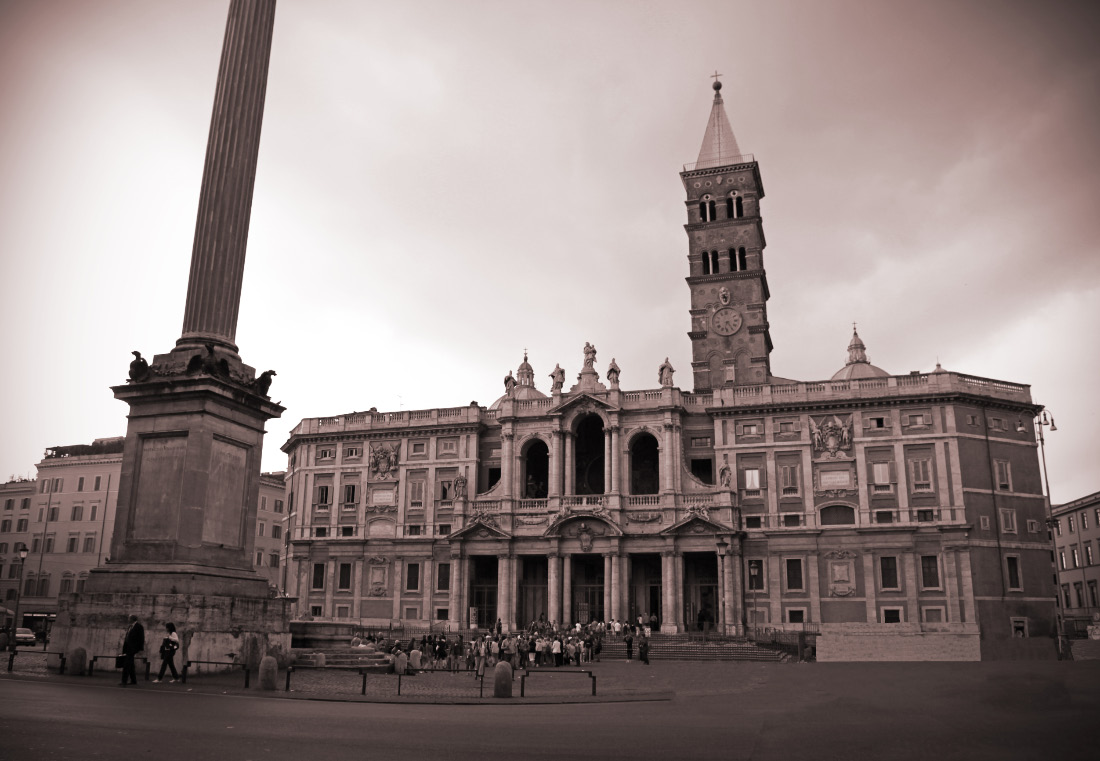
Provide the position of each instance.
(364, 690)
(398, 684)
(289, 670)
(522, 684)
(593, 684)
(11, 661)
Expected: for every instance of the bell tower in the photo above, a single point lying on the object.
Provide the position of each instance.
(730, 342)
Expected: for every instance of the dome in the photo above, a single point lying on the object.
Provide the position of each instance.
(522, 388)
(858, 366)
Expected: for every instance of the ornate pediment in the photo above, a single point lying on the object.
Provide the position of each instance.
(480, 526)
(693, 525)
(583, 403)
(584, 528)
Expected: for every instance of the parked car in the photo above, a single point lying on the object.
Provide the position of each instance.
(24, 636)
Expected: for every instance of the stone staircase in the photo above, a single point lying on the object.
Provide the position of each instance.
(682, 648)
(346, 657)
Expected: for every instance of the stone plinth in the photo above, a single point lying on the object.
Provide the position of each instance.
(210, 627)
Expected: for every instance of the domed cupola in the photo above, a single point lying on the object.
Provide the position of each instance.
(858, 366)
(522, 387)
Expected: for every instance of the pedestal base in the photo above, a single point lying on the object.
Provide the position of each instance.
(217, 628)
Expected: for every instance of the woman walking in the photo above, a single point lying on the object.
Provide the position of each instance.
(168, 650)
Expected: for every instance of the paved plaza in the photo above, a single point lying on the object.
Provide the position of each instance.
(668, 710)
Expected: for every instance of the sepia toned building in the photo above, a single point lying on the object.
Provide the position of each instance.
(1077, 558)
(901, 516)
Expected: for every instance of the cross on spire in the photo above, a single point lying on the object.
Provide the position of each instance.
(715, 75)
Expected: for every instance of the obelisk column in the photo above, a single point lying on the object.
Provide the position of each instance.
(225, 201)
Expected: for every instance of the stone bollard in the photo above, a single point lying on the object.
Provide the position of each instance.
(400, 663)
(319, 660)
(414, 660)
(269, 672)
(502, 680)
(77, 662)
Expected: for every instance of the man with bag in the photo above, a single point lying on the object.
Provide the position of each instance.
(133, 644)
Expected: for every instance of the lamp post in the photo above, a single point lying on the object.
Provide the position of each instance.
(18, 595)
(1045, 420)
(753, 571)
(723, 603)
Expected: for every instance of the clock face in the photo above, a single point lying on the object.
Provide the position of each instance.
(726, 321)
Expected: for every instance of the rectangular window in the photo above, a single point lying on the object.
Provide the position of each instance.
(920, 474)
(1088, 553)
(78, 513)
(48, 546)
(259, 560)
(1008, 521)
(278, 505)
(413, 530)
(320, 532)
(80, 484)
(5, 526)
(315, 611)
(1065, 596)
(260, 528)
(350, 453)
(796, 615)
(97, 479)
(73, 544)
(700, 441)
(326, 453)
(787, 426)
(89, 543)
(324, 496)
(916, 419)
(58, 485)
(971, 419)
(22, 525)
(1062, 559)
(274, 560)
(444, 529)
(93, 511)
(443, 577)
(1004, 475)
(418, 447)
(446, 490)
(412, 577)
(932, 615)
(891, 615)
(752, 479)
(448, 446)
(54, 511)
(930, 571)
(318, 576)
(789, 475)
(1033, 527)
(1092, 594)
(1069, 523)
(350, 496)
(756, 575)
(884, 516)
(1076, 557)
(344, 582)
(882, 477)
(888, 570)
(1084, 520)
(9, 504)
(794, 573)
(276, 532)
(44, 486)
(752, 521)
(1012, 566)
(875, 423)
(416, 494)
(750, 429)
(263, 504)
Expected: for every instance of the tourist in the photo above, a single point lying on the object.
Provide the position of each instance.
(629, 641)
(555, 648)
(643, 649)
(456, 653)
(133, 644)
(168, 650)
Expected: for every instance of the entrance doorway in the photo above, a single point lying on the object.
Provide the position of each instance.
(587, 597)
(588, 456)
(483, 590)
(645, 587)
(532, 590)
(700, 590)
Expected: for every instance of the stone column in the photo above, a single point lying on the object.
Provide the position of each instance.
(398, 586)
(912, 612)
(951, 585)
(966, 589)
(607, 461)
(814, 561)
(507, 470)
(504, 589)
(426, 576)
(666, 458)
(678, 590)
(870, 587)
(568, 465)
(330, 586)
(225, 201)
(555, 464)
(624, 586)
(356, 587)
(553, 594)
(616, 455)
(608, 571)
(567, 591)
(616, 589)
(735, 598)
(513, 591)
(454, 603)
(720, 616)
(668, 616)
(775, 590)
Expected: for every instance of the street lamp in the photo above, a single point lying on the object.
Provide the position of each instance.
(723, 603)
(753, 571)
(1045, 420)
(18, 594)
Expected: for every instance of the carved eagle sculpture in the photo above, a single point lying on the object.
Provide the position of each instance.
(139, 368)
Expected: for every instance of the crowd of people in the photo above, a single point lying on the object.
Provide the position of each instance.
(542, 644)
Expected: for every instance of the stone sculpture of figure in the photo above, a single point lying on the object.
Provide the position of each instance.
(613, 372)
(726, 475)
(139, 368)
(589, 355)
(664, 373)
(509, 383)
(558, 378)
(460, 487)
(845, 435)
(263, 383)
(208, 364)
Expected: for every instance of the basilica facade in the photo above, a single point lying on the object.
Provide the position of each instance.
(901, 515)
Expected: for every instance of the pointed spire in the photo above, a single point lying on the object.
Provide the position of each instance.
(719, 145)
(857, 352)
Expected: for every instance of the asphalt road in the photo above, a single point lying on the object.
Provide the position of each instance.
(778, 711)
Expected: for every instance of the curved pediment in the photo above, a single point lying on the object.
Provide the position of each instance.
(578, 526)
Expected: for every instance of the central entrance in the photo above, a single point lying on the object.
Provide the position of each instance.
(587, 594)
(588, 456)
(700, 590)
(645, 587)
(532, 590)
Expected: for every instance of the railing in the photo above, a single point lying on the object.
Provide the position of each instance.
(698, 500)
(648, 501)
(744, 158)
(486, 506)
(532, 505)
(593, 501)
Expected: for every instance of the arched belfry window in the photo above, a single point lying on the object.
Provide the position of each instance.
(707, 209)
(645, 465)
(710, 262)
(713, 211)
(742, 260)
(729, 208)
(706, 263)
(738, 207)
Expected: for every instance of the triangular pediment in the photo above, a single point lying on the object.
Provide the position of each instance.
(480, 527)
(581, 400)
(694, 524)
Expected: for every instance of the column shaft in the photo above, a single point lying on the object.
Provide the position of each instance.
(607, 593)
(553, 579)
(398, 585)
(567, 591)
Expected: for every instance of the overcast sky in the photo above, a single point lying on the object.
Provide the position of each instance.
(443, 184)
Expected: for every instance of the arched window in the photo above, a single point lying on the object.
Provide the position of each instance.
(707, 209)
(588, 456)
(536, 470)
(729, 208)
(713, 211)
(28, 586)
(44, 586)
(706, 263)
(703, 211)
(645, 465)
(738, 207)
(714, 262)
(742, 260)
(80, 582)
(66, 584)
(837, 515)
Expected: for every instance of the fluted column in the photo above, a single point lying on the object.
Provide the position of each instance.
(398, 585)
(555, 464)
(616, 589)
(454, 601)
(607, 462)
(615, 455)
(506, 465)
(225, 200)
(553, 578)
(568, 466)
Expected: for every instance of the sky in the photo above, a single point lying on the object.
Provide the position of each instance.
(443, 185)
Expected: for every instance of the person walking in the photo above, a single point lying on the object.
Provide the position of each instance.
(132, 644)
(629, 641)
(643, 649)
(168, 650)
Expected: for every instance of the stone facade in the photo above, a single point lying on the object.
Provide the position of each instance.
(1077, 558)
(878, 507)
